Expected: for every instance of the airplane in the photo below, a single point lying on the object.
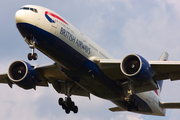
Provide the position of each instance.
(81, 67)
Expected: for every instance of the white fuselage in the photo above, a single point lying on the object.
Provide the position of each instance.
(56, 25)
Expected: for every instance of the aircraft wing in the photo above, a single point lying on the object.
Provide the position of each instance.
(111, 67)
(166, 69)
(52, 74)
(162, 70)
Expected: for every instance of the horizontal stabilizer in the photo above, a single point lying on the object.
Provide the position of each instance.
(169, 105)
(115, 109)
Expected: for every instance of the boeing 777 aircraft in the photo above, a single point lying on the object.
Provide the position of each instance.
(82, 68)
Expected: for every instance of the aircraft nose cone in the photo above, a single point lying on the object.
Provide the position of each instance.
(20, 16)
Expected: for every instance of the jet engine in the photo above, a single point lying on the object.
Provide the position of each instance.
(136, 68)
(23, 74)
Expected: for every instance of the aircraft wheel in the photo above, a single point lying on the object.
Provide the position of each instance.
(67, 110)
(68, 100)
(60, 101)
(75, 110)
(63, 106)
(35, 56)
(72, 105)
(135, 103)
(29, 56)
(129, 108)
(137, 107)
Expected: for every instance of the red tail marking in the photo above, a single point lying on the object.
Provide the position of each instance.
(156, 92)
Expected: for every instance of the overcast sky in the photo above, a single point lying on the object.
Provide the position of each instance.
(120, 27)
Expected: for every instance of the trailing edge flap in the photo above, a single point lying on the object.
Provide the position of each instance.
(169, 105)
(115, 109)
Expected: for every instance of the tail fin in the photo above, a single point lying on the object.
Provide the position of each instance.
(164, 57)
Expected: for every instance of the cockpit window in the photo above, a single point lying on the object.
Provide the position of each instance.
(35, 10)
(25, 8)
(32, 9)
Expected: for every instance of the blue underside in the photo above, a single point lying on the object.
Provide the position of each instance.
(77, 64)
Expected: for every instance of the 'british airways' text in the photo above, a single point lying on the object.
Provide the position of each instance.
(73, 39)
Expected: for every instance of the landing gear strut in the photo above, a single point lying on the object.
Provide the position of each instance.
(130, 100)
(68, 105)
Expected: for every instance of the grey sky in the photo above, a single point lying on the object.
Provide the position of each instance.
(119, 26)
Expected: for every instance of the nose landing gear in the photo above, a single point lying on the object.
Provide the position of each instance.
(32, 55)
(31, 40)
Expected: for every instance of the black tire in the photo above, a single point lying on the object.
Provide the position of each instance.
(135, 103)
(60, 101)
(129, 108)
(67, 110)
(63, 106)
(137, 108)
(29, 56)
(35, 56)
(132, 100)
(68, 100)
(75, 110)
(72, 106)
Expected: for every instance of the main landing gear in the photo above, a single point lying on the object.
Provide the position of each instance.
(68, 105)
(130, 100)
(132, 104)
(32, 55)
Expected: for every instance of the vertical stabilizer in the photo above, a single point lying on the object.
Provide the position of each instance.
(164, 57)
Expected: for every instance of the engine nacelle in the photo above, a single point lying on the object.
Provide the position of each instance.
(136, 68)
(23, 74)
